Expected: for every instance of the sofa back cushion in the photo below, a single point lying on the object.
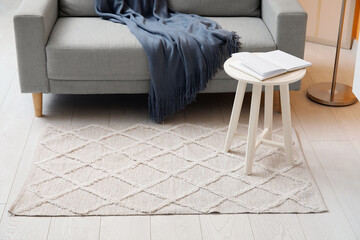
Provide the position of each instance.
(224, 8)
(77, 8)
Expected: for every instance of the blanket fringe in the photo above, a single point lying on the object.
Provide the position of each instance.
(158, 109)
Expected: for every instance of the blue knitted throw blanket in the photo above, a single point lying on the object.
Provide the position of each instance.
(184, 51)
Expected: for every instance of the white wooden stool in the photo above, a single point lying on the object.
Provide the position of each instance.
(254, 141)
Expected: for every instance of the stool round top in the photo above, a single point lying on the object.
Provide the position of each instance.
(285, 78)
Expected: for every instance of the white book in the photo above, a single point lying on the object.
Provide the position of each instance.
(267, 65)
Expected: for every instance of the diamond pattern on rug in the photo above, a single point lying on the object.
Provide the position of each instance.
(112, 187)
(92, 132)
(116, 141)
(145, 169)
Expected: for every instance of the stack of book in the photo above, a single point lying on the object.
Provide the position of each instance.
(267, 65)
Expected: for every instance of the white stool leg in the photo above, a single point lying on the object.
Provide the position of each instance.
(253, 125)
(234, 120)
(286, 121)
(268, 118)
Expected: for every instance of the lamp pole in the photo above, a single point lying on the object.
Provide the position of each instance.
(333, 94)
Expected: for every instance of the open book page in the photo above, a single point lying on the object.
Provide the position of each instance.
(284, 60)
(256, 66)
(237, 64)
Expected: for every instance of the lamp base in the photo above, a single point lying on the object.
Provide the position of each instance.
(320, 93)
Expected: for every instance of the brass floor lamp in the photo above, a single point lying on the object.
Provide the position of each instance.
(333, 94)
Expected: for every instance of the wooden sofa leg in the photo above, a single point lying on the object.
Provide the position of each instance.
(277, 102)
(37, 99)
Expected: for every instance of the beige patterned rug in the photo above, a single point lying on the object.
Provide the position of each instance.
(151, 169)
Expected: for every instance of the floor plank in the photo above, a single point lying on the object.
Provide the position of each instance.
(276, 226)
(348, 118)
(318, 121)
(21, 228)
(7, 75)
(175, 227)
(129, 228)
(15, 122)
(341, 163)
(8, 63)
(12, 227)
(7, 47)
(4, 24)
(2, 209)
(333, 224)
(226, 227)
(76, 228)
(356, 145)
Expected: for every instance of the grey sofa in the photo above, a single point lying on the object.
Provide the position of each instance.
(64, 48)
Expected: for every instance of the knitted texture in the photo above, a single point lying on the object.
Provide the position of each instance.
(152, 169)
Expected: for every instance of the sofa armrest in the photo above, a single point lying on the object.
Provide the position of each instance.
(286, 20)
(33, 22)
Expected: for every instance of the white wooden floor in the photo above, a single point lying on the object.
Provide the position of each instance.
(330, 138)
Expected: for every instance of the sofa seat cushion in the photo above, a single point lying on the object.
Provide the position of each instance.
(82, 48)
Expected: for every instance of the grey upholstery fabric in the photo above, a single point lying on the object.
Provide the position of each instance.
(286, 20)
(217, 85)
(249, 8)
(33, 23)
(94, 49)
(235, 8)
(77, 8)
(126, 86)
